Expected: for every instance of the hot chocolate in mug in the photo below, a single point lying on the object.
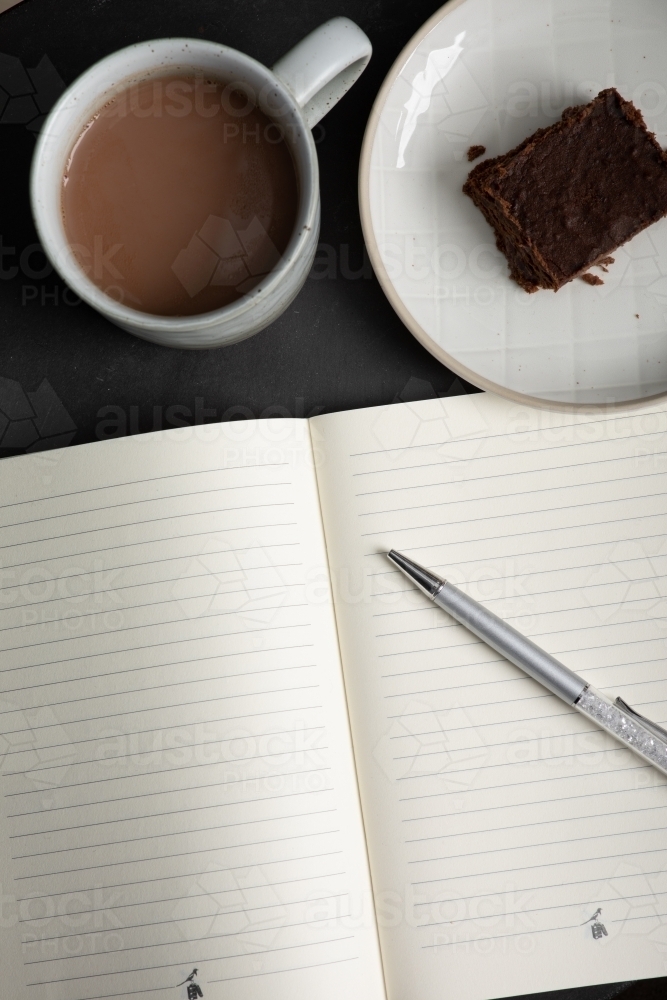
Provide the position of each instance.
(295, 94)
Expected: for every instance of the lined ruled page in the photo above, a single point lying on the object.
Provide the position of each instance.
(514, 847)
(178, 791)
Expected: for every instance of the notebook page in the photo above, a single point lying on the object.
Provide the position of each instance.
(180, 812)
(514, 848)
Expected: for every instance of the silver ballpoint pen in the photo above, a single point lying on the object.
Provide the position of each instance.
(629, 727)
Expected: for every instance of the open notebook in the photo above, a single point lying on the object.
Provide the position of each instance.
(220, 780)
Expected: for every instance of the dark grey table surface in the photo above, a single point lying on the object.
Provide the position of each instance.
(338, 346)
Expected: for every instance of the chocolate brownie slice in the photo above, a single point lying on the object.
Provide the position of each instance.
(571, 194)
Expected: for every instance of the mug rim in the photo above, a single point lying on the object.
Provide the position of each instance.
(61, 257)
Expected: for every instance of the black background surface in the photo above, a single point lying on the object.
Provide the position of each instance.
(338, 346)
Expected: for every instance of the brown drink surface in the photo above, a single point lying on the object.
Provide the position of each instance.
(178, 198)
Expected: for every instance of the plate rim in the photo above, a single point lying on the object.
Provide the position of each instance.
(385, 281)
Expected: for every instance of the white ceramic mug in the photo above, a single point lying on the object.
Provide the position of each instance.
(297, 92)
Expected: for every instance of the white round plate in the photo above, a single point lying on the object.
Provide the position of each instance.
(490, 72)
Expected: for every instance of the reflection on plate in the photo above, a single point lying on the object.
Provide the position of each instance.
(490, 73)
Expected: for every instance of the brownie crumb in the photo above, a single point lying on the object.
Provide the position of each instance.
(476, 151)
(592, 279)
(636, 315)
(606, 260)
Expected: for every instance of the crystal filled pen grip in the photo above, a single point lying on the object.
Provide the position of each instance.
(617, 719)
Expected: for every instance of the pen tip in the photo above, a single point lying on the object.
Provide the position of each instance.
(426, 581)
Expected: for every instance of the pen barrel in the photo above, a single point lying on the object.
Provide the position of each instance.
(515, 647)
(626, 728)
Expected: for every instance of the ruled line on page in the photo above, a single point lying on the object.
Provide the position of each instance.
(100, 781)
(228, 913)
(630, 766)
(495, 517)
(546, 843)
(553, 447)
(185, 767)
(134, 649)
(250, 715)
(532, 593)
(153, 562)
(160, 666)
(210, 937)
(140, 753)
(141, 482)
(124, 819)
(276, 972)
(582, 860)
(500, 496)
(491, 746)
(227, 761)
(498, 722)
(523, 534)
(157, 541)
(545, 930)
(617, 749)
(174, 899)
(153, 708)
(524, 826)
(193, 809)
(131, 628)
(176, 833)
(531, 802)
(163, 857)
(134, 586)
(533, 552)
(587, 421)
(150, 604)
(143, 732)
(228, 979)
(614, 645)
(150, 625)
(564, 906)
(130, 503)
(504, 680)
(536, 888)
(173, 965)
(155, 520)
(185, 875)
(589, 607)
(486, 478)
(153, 688)
(499, 659)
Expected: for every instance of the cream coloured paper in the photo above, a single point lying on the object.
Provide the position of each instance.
(177, 777)
(504, 830)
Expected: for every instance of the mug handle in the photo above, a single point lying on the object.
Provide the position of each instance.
(322, 67)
